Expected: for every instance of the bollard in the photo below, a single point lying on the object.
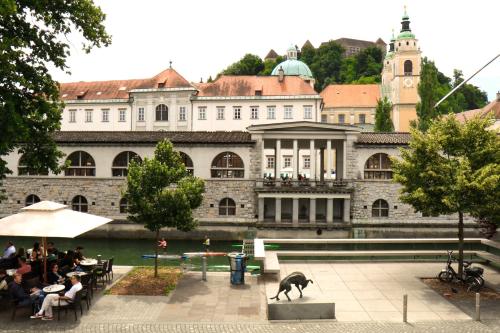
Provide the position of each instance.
(405, 308)
(478, 307)
(204, 268)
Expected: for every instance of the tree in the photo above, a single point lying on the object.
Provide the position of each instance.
(161, 193)
(270, 64)
(452, 168)
(468, 96)
(326, 64)
(250, 64)
(34, 36)
(383, 122)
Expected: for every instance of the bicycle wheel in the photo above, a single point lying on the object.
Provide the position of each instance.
(474, 284)
(445, 276)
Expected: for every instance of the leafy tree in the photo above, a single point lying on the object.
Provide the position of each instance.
(452, 168)
(34, 36)
(250, 64)
(369, 63)
(326, 64)
(383, 122)
(307, 54)
(270, 64)
(468, 96)
(161, 193)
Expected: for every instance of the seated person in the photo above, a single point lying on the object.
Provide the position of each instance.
(67, 262)
(4, 280)
(51, 249)
(52, 300)
(54, 277)
(23, 266)
(79, 254)
(19, 294)
(36, 252)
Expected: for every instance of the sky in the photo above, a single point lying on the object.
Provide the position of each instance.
(202, 37)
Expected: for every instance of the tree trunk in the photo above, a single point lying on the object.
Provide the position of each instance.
(460, 243)
(156, 251)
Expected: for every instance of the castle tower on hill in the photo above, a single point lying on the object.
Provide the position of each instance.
(401, 76)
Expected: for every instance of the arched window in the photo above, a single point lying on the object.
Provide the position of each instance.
(80, 164)
(227, 165)
(121, 162)
(378, 166)
(408, 67)
(24, 170)
(380, 208)
(31, 199)
(227, 206)
(80, 204)
(188, 162)
(123, 205)
(162, 113)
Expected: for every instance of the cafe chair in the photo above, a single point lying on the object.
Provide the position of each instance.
(77, 303)
(109, 270)
(15, 306)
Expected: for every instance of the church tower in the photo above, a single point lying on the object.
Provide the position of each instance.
(401, 75)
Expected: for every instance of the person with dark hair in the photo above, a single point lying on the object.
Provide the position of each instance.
(52, 300)
(9, 251)
(54, 277)
(36, 252)
(51, 249)
(79, 254)
(23, 266)
(19, 294)
(67, 262)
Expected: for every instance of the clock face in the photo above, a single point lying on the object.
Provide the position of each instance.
(408, 82)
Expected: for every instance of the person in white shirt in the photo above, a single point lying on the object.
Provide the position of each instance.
(10, 250)
(54, 300)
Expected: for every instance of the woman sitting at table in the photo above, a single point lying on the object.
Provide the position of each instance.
(23, 266)
(54, 277)
(36, 252)
(67, 262)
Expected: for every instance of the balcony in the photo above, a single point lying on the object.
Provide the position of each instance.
(304, 185)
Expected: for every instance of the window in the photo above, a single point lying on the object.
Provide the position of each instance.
(227, 206)
(123, 205)
(72, 116)
(80, 164)
(270, 162)
(237, 112)
(324, 118)
(80, 204)
(188, 163)
(202, 113)
(122, 115)
(380, 208)
(288, 112)
(31, 199)
(220, 113)
(307, 161)
(408, 68)
(121, 162)
(227, 165)
(140, 114)
(378, 166)
(271, 112)
(162, 113)
(362, 118)
(24, 170)
(182, 113)
(88, 116)
(254, 112)
(341, 118)
(105, 115)
(308, 112)
(287, 161)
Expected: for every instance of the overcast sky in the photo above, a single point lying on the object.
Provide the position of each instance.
(202, 37)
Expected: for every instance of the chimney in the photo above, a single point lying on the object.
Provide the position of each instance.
(281, 74)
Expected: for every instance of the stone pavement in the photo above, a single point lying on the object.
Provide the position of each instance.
(373, 291)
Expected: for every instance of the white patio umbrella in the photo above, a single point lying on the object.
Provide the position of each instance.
(49, 219)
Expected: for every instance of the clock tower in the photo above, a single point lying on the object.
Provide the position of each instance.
(401, 75)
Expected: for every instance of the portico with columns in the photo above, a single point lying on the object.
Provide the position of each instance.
(304, 174)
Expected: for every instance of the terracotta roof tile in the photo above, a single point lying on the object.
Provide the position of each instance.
(350, 95)
(152, 137)
(493, 107)
(377, 138)
(247, 85)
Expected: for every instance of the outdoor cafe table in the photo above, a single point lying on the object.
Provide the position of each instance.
(88, 262)
(52, 289)
(70, 274)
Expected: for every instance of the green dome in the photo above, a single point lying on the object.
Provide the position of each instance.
(406, 35)
(293, 67)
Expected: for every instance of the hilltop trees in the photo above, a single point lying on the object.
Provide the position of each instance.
(34, 36)
(383, 121)
(250, 64)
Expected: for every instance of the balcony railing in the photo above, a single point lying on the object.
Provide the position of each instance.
(304, 183)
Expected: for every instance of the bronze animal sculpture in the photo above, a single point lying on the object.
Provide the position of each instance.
(296, 278)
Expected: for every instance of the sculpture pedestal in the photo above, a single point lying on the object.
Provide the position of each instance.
(300, 310)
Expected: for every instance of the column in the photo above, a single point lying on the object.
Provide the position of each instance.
(329, 210)
(344, 159)
(277, 214)
(261, 209)
(264, 159)
(295, 211)
(328, 159)
(347, 210)
(295, 159)
(312, 155)
(312, 210)
(322, 164)
(277, 161)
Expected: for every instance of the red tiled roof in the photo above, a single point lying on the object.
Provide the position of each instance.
(492, 107)
(247, 85)
(377, 138)
(119, 89)
(350, 95)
